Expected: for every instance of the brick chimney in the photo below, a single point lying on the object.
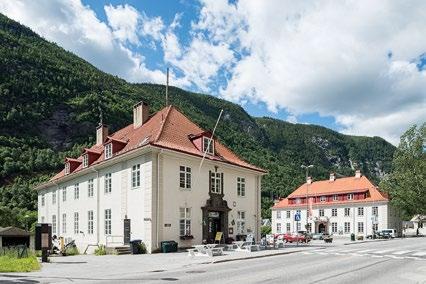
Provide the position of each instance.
(101, 133)
(357, 174)
(309, 180)
(332, 177)
(140, 114)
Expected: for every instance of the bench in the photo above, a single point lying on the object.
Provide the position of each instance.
(205, 250)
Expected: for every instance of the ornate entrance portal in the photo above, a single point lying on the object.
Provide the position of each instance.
(215, 217)
(321, 228)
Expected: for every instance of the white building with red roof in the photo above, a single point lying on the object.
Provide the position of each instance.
(146, 182)
(339, 206)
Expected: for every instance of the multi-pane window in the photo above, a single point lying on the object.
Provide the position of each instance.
(360, 211)
(241, 222)
(67, 168)
(185, 221)
(321, 212)
(335, 197)
(347, 211)
(90, 188)
(347, 227)
(241, 186)
(298, 200)
(64, 223)
(184, 177)
(309, 227)
(360, 227)
(334, 227)
(334, 212)
(278, 228)
(322, 198)
(108, 150)
(90, 222)
(108, 183)
(375, 227)
(107, 221)
(53, 224)
(288, 227)
(76, 222)
(42, 200)
(54, 197)
(288, 214)
(350, 196)
(76, 191)
(208, 145)
(375, 210)
(136, 176)
(278, 214)
(216, 182)
(64, 194)
(85, 160)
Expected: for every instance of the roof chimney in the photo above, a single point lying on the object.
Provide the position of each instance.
(140, 114)
(357, 174)
(101, 133)
(309, 180)
(332, 177)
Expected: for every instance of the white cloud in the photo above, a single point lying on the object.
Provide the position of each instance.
(123, 19)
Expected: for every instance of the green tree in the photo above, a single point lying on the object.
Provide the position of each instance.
(406, 184)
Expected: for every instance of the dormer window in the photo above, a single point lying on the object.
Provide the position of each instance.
(322, 198)
(67, 168)
(208, 146)
(108, 151)
(350, 196)
(85, 161)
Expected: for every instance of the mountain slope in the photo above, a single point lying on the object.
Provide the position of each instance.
(49, 109)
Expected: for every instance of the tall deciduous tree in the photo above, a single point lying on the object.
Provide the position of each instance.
(406, 184)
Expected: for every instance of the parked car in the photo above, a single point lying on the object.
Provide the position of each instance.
(389, 232)
(327, 238)
(317, 236)
(298, 238)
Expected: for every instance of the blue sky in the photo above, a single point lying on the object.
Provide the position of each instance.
(357, 67)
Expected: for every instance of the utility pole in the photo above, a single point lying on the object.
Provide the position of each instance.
(307, 193)
(167, 87)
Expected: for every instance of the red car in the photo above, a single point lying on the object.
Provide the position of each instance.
(290, 238)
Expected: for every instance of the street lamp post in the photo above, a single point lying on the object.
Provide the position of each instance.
(307, 192)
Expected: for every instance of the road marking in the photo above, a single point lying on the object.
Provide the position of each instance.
(394, 256)
(376, 256)
(366, 250)
(402, 252)
(322, 253)
(413, 257)
(420, 253)
(307, 252)
(383, 251)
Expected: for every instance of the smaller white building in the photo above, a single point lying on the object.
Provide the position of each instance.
(415, 227)
(336, 206)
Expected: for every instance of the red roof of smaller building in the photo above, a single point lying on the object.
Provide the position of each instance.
(338, 186)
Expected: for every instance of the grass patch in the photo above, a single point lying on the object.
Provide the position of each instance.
(10, 263)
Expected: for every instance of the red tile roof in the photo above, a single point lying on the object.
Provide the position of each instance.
(338, 186)
(168, 129)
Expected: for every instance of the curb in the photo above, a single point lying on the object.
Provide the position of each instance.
(254, 257)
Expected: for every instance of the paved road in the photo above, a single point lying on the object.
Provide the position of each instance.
(394, 261)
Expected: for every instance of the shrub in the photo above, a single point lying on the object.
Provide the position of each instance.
(100, 250)
(142, 248)
(265, 230)
(72, 251)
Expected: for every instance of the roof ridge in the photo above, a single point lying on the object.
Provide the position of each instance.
(162, 125)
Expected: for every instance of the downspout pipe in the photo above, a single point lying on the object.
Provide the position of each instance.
(97, 205)
(157, 214)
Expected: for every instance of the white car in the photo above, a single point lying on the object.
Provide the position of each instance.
(390, 232)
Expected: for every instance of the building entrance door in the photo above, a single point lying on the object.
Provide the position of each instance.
(214, 225)
(322, 228)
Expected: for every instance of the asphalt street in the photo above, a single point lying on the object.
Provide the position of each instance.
(394, 261)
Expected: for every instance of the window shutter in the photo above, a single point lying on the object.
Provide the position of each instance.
(210, 181)
(221, 183)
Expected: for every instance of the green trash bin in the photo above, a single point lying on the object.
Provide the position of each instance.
(168, 246)
(353, 237)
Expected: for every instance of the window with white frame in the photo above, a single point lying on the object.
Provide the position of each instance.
(288, 227)
(54, 197)
(64, 223)
(241, 186)
(278, 228)
(85, 160)
(278, 214)
(350, 196)
(76, 191)
(375, 210)
(216, 182)
(43, 200)
(375, 227)
(298, 211)
(184, 177)
(360, 227)
(347, 227)
(334, 212)
(321, 212)
(90, 188)
(76, 222)
(288, 214)
(67, 168)
(107, 221)
(298, 200)
(335, 197)
(108, 183)
(322, 198)
(347, 212)
(136, 176)
(108, 151)
(53, 224)
(309, 228)
(208, 145)
(334, 227)
(185, 221)
(64, 194)
(241, 222)
(360, 211)
(90, 222)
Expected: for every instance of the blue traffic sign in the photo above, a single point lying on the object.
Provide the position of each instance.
(297, 217)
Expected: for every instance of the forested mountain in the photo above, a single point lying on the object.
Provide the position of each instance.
(49, 108)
